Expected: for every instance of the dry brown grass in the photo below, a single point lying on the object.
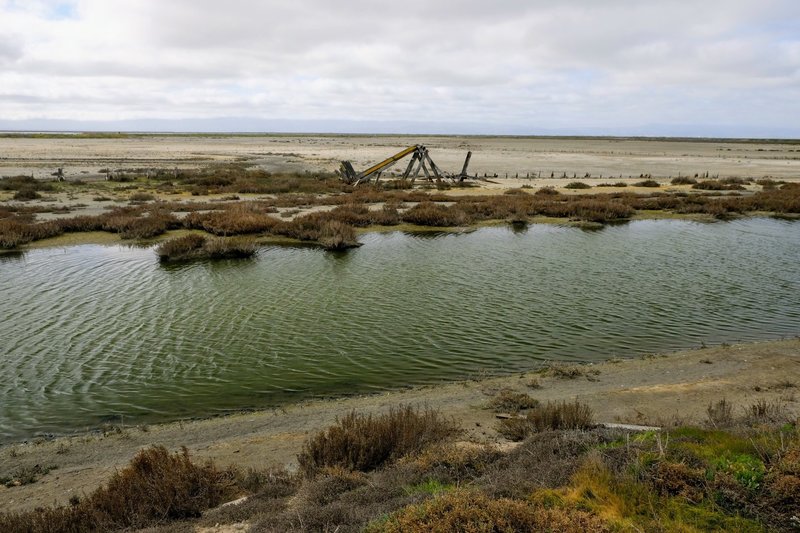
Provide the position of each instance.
(156, 487)
(551, 416)
(190, 247)
(365, 442)
(510, 401)
(335, 235)
(236, 219)
(468, 511)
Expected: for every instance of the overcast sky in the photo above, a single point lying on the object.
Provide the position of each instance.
(674, 67)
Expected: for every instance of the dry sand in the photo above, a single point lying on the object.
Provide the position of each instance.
(607, 157)
(654, 390)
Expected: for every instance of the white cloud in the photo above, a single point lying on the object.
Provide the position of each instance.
(525, 64)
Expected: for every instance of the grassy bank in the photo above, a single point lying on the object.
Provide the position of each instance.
(408, 470)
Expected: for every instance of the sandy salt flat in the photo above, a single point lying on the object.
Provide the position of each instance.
(540, 157)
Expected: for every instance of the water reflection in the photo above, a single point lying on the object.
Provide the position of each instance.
(11, 256)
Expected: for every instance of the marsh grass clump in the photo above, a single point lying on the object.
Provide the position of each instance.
(432, 214)
(551, 416)
(25, 183)
(336, 235)
(647, 183)
(683, 180)
(508, 400)
(141, 197)
(365, 442)
(154, 488)
(577, 185)
(717, 185)
(719, 414)
(467, 510)
(235, 219)
(26, 194)
(190, 247)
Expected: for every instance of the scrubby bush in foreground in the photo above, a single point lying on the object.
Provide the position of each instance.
(156, 487)
(553, 415)
(365, 442)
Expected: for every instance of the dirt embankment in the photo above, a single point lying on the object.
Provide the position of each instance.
(654, 390)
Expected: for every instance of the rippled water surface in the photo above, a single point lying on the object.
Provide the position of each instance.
(91, 333)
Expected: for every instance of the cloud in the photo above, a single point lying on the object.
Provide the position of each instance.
(525, 64)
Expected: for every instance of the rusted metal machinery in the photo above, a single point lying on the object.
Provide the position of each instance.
(420, 162)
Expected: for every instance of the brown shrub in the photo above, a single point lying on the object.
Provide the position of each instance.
(431, 214)
(547, 191)
(365, 442)
(553, 415)
(466, 511)
(335, 235)
(716, 185)
(141, 197)
(719, 414)
(677, 479)
(155, 487)
(25, 195)
(507, 400)
(577, 185)
(237, 219)
(191, 247)
(647, 183)
(683, 180)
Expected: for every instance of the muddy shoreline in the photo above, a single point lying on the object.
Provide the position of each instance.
(660, 390)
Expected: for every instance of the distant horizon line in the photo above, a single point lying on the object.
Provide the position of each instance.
(112, 132)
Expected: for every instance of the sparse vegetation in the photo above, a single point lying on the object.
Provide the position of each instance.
(190, 247)
(744, 478)
(577, 185)
(510, 401)
(551, 416)
(365, 442)
(155, 488)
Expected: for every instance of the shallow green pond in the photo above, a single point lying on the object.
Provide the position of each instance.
(92, 334)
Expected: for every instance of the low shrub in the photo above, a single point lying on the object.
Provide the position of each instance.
(20, 183)
(463, 510)
(647, 183)
(553, 415)
(577, 185)
(26, 194)
(141, 197)
(683, 180)
(716, 185)
(507, 400)
(191, 247)
(335, 235)
(235, 219)
(154, 488)
(365, 442)
(547, 191)
(431, 214)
